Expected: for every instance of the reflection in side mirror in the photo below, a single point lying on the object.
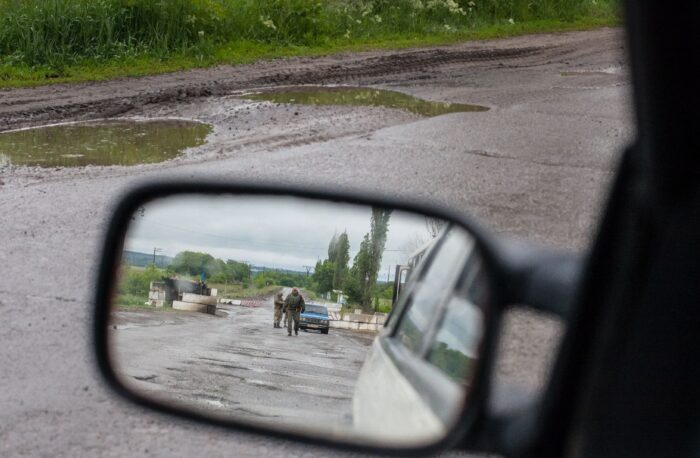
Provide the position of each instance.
(328, 319)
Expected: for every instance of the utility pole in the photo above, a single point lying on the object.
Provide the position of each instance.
(388, 273)
(155, 250)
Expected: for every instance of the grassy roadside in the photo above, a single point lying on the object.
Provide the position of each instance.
(242, 292)
(245, 52)
(62, 41)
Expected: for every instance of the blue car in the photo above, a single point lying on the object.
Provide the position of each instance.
(315, 317)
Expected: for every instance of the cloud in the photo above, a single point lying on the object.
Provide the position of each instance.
(274, 231)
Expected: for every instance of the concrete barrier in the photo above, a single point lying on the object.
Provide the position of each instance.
(190, 306)
(198, 299)
(227, 301)
(196, 303)
(157, 294)
(357, 321)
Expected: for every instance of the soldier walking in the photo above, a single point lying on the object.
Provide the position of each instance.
(279, 305)
(294, 305)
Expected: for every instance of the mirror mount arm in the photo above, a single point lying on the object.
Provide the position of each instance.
(542, 278)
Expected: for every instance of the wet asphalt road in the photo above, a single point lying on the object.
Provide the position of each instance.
(237, 365)
(536, 166)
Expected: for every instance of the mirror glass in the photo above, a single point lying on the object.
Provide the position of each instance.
(335, 320)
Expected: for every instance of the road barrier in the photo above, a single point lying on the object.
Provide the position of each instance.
(196, 303)
(357, 321)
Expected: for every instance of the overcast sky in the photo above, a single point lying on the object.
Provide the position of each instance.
(282, 232)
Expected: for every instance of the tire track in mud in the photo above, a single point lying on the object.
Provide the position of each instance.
(358, 71)
(394, 64)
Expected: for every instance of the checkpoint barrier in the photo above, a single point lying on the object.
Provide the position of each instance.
(357, 321)
(196, 303)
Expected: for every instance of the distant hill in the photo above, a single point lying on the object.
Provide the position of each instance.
(134, 258)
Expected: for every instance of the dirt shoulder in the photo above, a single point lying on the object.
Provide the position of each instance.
(50, 104)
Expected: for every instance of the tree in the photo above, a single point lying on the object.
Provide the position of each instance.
(323, 276)
(194, 263)
(369, 259)
(333, 248)
(238, 271)
(342, 257)
(354, 285)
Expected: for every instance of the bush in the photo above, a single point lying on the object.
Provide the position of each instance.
(138, 282)
(129, 300)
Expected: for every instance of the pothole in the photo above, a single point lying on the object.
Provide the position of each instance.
(367, 97)
(118, 142)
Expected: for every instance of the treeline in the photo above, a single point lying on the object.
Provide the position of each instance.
(214, 270)
(358, 282)
(282, 278)
(136, 281)
(58, 33)
(195, 265)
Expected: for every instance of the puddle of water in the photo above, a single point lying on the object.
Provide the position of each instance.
(367, 97)
(101, 143)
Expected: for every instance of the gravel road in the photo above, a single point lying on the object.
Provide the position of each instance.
(536, 166)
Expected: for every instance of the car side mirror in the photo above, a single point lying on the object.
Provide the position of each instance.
(337, 319)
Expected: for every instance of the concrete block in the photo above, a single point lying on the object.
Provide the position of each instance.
(214, 292)
(360, 317)
(224, 300)
(190, 306)
(198, 299)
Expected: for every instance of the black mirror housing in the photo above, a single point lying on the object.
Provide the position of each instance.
(506, 267)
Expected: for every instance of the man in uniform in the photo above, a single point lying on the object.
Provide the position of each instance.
(294, 305)
(279, 304)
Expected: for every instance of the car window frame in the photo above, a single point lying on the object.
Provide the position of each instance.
(441, 305)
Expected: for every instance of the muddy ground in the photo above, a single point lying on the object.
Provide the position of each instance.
(537, 165)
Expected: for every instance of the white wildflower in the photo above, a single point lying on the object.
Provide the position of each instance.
(267, 22)
(200, 33)
(450, 5)
(511, 21)
(377, 18)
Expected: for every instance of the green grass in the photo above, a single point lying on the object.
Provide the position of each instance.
(59, 41)
(137, 302)
(242, 292)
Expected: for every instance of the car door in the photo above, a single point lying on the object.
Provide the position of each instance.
(420, 360)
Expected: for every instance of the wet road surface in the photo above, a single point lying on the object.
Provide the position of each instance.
(537, 166)
(237, 365)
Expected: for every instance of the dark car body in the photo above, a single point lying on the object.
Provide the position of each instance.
(315, 317)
